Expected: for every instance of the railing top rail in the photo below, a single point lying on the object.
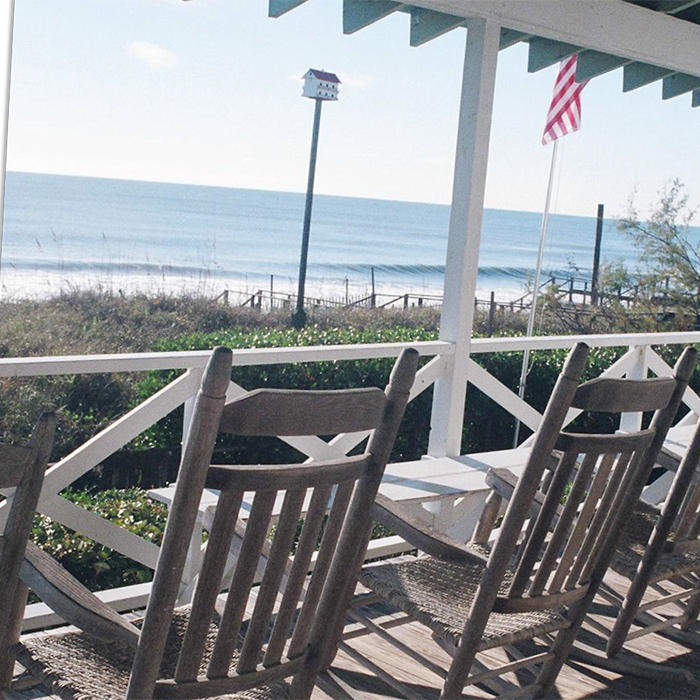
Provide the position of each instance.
(551, 342)
(136, 362)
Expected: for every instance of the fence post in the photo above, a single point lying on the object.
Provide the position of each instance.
(492, 311)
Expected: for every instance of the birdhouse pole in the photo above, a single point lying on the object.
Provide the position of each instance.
(321, 87)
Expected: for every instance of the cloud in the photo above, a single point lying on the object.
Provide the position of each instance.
(358, 81)
(151, 54)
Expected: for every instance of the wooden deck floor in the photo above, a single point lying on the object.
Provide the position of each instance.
(671, 670)
(663, 668)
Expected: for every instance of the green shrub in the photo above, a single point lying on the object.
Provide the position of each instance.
(412, 441)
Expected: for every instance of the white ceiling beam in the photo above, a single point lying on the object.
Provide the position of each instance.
(609, 26)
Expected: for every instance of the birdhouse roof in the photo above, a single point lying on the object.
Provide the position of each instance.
(322, 75)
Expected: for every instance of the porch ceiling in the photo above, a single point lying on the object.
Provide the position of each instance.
(651, 40)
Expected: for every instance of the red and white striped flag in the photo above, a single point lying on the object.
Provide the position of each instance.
(564, 114)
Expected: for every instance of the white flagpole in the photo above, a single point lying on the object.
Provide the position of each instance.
(536, 288)
(6, 25)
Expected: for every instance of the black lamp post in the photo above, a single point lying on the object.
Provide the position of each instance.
(321, 87)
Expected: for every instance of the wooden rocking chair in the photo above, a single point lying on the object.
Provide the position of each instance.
(530, 592)
(252, 639)
(660, 555)
(23, 468)
(658, 552)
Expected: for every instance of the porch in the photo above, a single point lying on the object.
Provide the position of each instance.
(447, 491)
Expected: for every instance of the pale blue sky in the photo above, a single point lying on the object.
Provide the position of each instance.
(208, 92)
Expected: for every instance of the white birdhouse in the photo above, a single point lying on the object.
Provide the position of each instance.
(320, 85)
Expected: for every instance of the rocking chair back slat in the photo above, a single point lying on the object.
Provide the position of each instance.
(243, 577)
(536, 537)
(565, 529)
(575, 549)
(297, 576)
(269, 588)
(688, 519)
(208, 588)
(589, 486)
(327, 548)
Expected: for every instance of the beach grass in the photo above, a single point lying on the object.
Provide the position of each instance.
(84, 322)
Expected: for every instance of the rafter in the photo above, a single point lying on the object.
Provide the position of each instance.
(277, 8)
(679, 84)
(509, 37)
(544, 53)
(638, 75)
(591, 64)
(427, 25)
(358, 14)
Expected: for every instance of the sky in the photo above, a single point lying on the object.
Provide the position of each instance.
(209, 92)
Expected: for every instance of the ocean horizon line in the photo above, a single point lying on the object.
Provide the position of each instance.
(289, 192)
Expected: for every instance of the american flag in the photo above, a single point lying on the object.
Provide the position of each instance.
(564, 114)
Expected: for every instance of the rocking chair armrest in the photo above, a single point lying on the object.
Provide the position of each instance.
(66, 596)
(503, 482)
(419, 534)
(668, 459)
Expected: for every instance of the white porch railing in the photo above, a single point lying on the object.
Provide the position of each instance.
(638, 361)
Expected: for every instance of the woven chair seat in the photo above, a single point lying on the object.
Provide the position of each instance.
(439, 594)
(634, 541)
(76, 666)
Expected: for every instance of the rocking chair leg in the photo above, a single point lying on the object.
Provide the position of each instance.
(12, 634)
(560, 648)
(692, 611)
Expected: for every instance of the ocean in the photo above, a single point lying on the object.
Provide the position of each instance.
(64, 232)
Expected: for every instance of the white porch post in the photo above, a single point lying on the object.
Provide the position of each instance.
(630, 422)
(466, 214)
